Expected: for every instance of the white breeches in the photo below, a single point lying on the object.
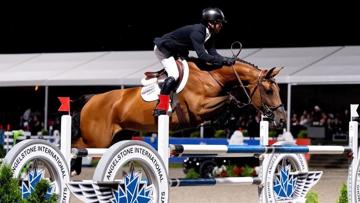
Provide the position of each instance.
(168, 63)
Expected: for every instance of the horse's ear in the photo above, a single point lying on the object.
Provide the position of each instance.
(273, 72)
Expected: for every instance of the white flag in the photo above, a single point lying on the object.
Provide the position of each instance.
(353, 108)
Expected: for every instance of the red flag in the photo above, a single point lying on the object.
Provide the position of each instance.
(65, 104)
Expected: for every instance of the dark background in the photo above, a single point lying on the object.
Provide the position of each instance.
(106, 26)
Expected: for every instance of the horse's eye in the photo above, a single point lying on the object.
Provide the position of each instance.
(269, 91)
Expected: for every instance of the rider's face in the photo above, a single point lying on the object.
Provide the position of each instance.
(216, 27)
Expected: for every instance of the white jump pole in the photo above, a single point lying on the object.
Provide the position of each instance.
(66, 138)
(353, 144)
(264, 131)
(264, 140)
(163, 139)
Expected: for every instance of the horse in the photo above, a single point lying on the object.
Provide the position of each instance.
(105, 115)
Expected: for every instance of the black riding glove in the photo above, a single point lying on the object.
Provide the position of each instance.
(229, 61)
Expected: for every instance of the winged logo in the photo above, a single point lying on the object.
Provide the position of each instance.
(131, 189)
(294, 185)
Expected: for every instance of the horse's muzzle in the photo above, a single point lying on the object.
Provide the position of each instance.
(276, 114)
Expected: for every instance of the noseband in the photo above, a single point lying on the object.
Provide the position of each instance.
(269, 111)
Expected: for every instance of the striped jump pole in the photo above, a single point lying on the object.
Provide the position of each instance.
(255, 149)
(181, 182)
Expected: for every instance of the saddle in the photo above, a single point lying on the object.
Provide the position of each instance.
(162, 74)
(153, 81)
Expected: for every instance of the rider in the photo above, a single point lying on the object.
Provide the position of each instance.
(198, 37)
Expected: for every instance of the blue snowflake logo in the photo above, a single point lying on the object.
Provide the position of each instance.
(135, 190)
(285, 184)
(31, 180)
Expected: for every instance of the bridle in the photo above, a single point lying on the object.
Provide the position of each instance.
(266, 110)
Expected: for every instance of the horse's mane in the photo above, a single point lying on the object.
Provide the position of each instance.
(205, 66)
(248, 63)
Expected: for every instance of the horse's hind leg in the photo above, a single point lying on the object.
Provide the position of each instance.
(76, 163)
(91, 141)
(95, 134)
(82, 142)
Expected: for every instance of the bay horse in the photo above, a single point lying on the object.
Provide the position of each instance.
(107, 114)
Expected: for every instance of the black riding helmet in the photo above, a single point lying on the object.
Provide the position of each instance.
(212, 15)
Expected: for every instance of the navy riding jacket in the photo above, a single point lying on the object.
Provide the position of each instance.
(190, 37)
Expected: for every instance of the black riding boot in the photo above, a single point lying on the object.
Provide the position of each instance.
(163, 104)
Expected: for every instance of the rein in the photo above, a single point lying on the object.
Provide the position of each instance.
(232, 98)
(265, 109)
(238, 103)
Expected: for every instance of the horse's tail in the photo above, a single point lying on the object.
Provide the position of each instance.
(76, 107)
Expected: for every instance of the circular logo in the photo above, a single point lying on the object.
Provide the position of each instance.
(34, 151)
(143, 155)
